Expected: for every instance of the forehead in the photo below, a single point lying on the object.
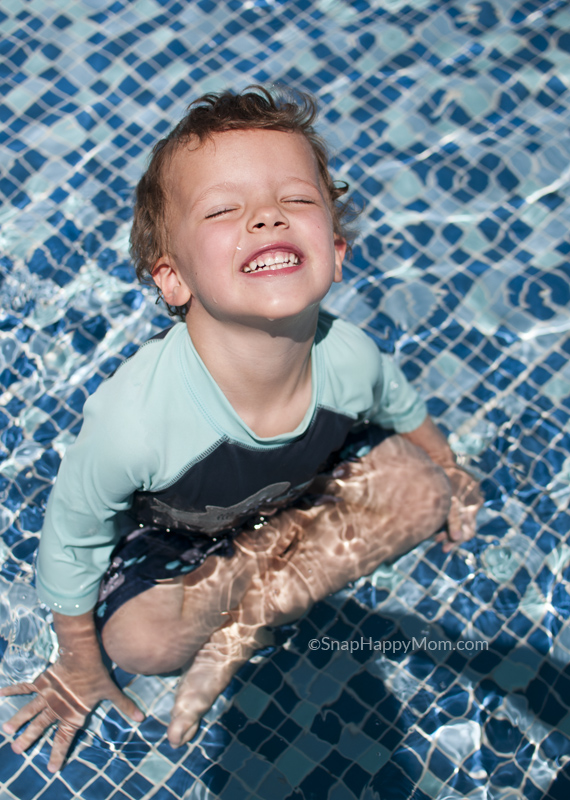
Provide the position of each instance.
(242, 155)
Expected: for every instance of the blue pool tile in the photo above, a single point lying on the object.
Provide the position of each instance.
(179, 782)
(327, 726)
(273, 747)
(440, 766)
(162, 794)
(268, 678)
(392, 775)
(215, 778)
(272, 717)
(28, 784)
(54, 791)
(335, 763)
(531, 791)
(458, 193)
(99, 788)
(356, 779)
(253, 734)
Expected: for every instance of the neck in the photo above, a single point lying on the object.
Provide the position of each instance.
(264, 371)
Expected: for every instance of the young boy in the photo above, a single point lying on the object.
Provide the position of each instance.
(175, 528)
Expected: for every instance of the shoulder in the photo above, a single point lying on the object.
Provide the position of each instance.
(157, 349)
(350, 366)
(345, 346)
(138, 384)
(142, 424)
(156, 353)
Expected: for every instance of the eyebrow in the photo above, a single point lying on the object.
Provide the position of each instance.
(216, 188)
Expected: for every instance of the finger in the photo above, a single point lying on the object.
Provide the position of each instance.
(190, 733)
(180, 732)
(126, 705)
(34, 730)
(443, 539)
(454, 520)
(24, 714)
(468, 523)
(17, 688)
(467, 527)
(61, 744)
(469, 493)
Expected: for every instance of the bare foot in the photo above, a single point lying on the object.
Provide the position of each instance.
(212, 670)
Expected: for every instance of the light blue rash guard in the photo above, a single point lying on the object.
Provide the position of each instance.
(162, 445)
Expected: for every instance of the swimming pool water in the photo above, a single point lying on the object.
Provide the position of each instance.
(450, 122)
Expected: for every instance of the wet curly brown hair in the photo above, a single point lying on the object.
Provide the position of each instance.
(257, 108)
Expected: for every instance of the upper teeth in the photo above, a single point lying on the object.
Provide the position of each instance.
(275, 260)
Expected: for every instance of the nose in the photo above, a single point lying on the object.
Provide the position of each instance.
(267, 216)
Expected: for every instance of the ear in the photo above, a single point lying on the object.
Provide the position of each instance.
(339, 253)
(168, 279)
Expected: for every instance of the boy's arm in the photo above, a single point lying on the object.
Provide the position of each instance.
(67, 691)
(429, 437)
(398, 406)
(466, 496)
(111, 459)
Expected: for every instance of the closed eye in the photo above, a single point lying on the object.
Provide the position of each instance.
(218, 213)
(303, 200)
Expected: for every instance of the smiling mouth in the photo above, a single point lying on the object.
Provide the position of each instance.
(277, 259)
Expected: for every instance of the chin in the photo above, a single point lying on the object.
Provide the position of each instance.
(283, 309)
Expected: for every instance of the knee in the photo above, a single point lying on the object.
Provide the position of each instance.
(140, 650)
(405, 477)
(288, 594)
(428, 489)
(439, 489)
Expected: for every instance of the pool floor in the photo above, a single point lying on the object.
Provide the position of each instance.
(444, 675)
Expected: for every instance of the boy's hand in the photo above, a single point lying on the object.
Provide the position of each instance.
(65, 697)
(466, 501)
(67, 691)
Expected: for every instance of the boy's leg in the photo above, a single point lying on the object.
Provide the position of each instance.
(385, 504)
(161, 629)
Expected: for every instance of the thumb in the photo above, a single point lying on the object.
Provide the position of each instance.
(127, 706)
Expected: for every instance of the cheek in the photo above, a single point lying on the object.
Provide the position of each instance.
(222, 241)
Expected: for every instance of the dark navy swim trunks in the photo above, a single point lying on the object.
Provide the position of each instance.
(146, 555)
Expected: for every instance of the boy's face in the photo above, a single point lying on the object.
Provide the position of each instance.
(250, 228)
